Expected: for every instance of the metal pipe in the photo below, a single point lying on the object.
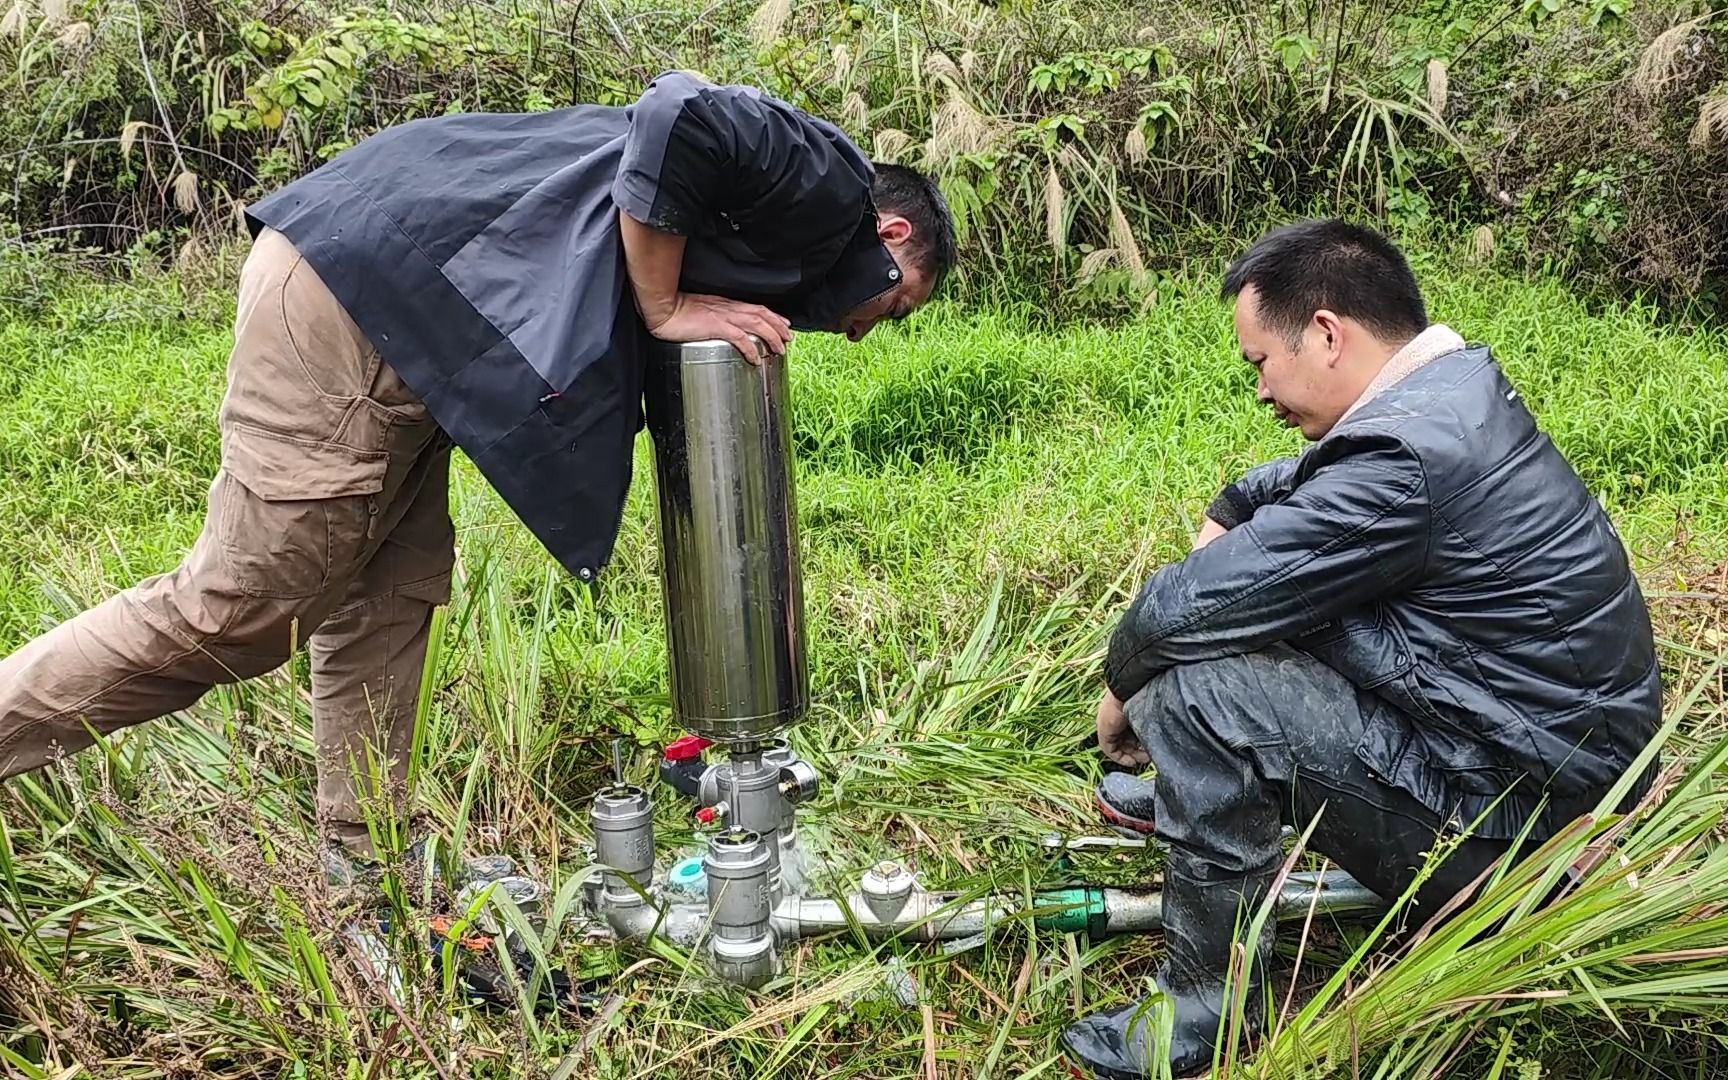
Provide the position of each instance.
(1097, 911)
(731, 580)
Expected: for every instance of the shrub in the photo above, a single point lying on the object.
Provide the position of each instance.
(1086, 148)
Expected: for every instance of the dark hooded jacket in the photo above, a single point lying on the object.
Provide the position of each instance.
(481, 255)
(1438, 551)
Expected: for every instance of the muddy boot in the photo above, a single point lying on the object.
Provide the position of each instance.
(1201, 920)
(1125, 801)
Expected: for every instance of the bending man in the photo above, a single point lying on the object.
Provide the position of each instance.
(482, 281)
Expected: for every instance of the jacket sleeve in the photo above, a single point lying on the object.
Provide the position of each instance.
(695, 151)
(1356, 530)
(1258, 486)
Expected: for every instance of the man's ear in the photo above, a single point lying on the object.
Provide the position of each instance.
(893, 229)
(1330, 329)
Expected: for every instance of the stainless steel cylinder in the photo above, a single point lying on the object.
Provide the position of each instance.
(731, 581)
(623, 822)
(740, 908)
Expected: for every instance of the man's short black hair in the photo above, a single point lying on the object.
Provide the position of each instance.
(915, 197)
(1347, 269)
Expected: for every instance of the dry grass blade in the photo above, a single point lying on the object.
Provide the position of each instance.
(53, 12)
(1712, 122)
(768, 20)
(890, 144)
(13, 23)
(1661, 58)
(1134, 144)
(928, 1015)
(1055, 210)
(186, 192)
(1122, 238)
(75, 36)
(1439, 83)
(855, 111)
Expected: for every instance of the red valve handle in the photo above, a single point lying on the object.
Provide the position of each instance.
(686, 747)
(706, 815)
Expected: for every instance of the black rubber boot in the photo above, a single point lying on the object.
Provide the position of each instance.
(1202, 918)
(1125, 801)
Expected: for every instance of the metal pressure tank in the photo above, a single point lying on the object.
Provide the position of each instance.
(731, 581)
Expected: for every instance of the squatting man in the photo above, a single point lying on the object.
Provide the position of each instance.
(482, 281)
(1421, 628)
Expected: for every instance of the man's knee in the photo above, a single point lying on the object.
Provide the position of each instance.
(226, 634)
(1211, 695)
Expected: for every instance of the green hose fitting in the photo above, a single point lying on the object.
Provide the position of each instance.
(1079, 910)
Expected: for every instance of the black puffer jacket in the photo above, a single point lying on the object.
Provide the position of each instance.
(1436, 549)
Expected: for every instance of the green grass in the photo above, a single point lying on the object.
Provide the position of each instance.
(976, 496)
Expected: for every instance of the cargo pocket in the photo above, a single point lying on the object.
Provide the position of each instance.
(297, 515)
(433, 591)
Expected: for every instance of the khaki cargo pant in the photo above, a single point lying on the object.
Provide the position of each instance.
(328, 525)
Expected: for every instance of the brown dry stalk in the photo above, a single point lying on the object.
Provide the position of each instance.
(1661, 58)
(1676, 956)
(929, 1015)
(981, 988)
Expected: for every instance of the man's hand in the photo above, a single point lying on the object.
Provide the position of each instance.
(1208, 533)
(1116, 740)
(695, 317)
(653, 260)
